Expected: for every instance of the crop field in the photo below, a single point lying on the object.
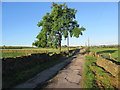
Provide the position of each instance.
(22, 52)
(13, 54)
(109, 53)
(29, 62)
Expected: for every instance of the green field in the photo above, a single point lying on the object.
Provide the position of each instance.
(13, 54)
(109, 53)
(21, 52)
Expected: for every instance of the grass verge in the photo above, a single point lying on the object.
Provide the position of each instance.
(96, 77)
(88, 75)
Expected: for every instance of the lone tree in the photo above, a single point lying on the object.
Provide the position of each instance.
(60, 22)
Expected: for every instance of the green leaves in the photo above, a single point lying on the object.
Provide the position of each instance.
(59, 22)
(77, 31)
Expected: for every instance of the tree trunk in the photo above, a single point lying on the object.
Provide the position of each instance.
(59, 42)
(59, 46)
(68, 42)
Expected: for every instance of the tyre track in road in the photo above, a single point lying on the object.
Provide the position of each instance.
(70, 76)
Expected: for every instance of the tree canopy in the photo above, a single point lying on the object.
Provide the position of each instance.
(60, 22)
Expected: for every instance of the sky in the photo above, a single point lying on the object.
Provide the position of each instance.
(19, 22)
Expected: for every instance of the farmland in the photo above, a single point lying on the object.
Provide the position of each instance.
(22, 64)
(27, 60)
(108, 53)
(12, 54)
(16, 52)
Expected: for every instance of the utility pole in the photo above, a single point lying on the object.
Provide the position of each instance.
(88, 42)
(85, 44)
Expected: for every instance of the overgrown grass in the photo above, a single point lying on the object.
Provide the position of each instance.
(95, 76)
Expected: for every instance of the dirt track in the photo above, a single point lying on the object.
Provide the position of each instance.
(69, 77)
